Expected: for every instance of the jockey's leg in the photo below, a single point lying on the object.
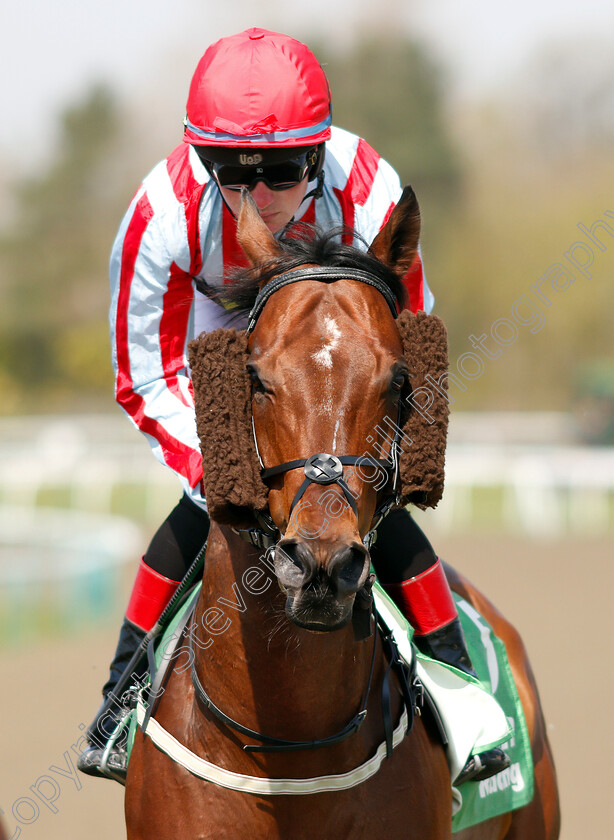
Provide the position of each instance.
(412, 574)
(170, 554)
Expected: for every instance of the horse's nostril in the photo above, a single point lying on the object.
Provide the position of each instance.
(347, 569)
(295, 563)
(297, 568)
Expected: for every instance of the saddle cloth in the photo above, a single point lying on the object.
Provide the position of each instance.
(476, 716)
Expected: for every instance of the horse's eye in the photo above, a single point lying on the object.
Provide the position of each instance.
(257, 386)
(398, 382)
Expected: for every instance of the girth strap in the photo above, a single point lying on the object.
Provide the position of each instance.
(411, 688)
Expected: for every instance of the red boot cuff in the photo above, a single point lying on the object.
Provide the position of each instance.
(150, 595)
(425, 600)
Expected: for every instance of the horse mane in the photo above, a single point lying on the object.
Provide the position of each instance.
(302, 244)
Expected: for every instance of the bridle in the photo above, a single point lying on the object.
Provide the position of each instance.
(324, 468)
(324, 274)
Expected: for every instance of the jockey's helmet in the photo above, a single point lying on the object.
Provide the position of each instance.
(258, 100)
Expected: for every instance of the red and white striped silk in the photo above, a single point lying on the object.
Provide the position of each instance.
(177, 228)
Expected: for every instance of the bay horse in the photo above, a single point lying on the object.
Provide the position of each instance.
(272, 642)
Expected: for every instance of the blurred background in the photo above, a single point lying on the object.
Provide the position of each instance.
(500, 116)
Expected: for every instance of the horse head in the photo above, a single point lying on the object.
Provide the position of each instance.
(325, 379)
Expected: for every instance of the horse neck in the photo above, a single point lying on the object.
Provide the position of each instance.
(258, 667)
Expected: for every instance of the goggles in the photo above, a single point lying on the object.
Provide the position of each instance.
(276, 176)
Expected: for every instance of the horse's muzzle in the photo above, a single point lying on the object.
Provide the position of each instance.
(320, 591)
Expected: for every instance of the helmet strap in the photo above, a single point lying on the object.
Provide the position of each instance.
(317, 191)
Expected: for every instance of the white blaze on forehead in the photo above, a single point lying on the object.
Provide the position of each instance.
(332, 334)
(337, 424)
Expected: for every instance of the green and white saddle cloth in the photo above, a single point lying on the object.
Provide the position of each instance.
(476, 715)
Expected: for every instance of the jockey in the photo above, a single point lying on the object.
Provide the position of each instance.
(258, 116)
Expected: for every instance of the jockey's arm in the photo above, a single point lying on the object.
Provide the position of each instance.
(374, 197)
(151, 310)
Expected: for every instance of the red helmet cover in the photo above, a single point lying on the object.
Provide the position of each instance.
(258, 88)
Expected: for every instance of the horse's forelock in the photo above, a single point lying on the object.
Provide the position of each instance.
(306, 244)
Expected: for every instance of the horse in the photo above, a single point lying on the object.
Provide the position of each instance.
(266, 682)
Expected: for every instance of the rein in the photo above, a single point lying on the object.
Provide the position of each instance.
(269, 743)
(411, 693)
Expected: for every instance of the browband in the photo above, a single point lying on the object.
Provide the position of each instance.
(324, 274)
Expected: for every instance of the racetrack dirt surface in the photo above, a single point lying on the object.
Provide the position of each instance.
(558, 594)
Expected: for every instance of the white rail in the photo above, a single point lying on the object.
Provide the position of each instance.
(533, 489)
(519, 472)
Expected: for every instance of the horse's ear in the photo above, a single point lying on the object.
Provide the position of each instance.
(258, 243)
(396, 245)
(425, 429)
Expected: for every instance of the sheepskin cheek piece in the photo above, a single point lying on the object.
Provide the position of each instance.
(222, 398)
(425, 347)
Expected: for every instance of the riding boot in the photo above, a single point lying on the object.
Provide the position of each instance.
(447, 644)
(150, 595)
(427, 603)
